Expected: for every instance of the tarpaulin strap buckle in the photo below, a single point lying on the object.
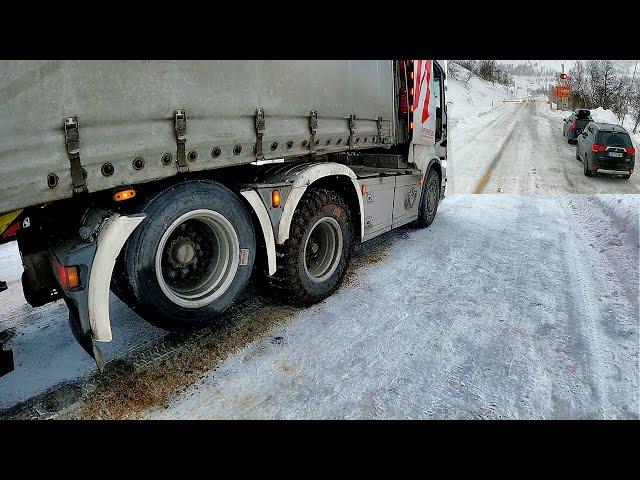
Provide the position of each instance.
(72, 141)
(259, 124)
(352, 128)
(180, 126)
(313, 129)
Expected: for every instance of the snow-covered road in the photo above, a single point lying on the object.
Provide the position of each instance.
(519, 148)
(508, 306)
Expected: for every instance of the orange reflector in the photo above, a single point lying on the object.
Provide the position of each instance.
(363, 189)
(123, 195)
(420, 181)
(275, 198)
(73, 278)
(411, 125)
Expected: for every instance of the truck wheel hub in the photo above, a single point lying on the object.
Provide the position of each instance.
(323, 249)
(197, 258)
(183, 253)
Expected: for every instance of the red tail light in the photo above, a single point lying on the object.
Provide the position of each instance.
(68, 277)
(598, 148)
(574, 125)
(630, 150)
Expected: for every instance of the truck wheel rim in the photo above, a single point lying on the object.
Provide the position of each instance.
(197, 258)
(323, 249)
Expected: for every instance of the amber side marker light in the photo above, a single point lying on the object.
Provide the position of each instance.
(123, 195)
(275, 198)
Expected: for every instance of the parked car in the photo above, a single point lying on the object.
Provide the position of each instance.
(606, 148)
(574, 124)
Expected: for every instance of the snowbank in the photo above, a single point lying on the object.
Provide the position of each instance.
(626, 211)
(10, 263)
(471, 100)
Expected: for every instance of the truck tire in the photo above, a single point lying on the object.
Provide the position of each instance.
(313, 262)
(191, 256)
(429, 200)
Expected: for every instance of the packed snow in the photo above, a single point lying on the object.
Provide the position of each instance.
(540, 322)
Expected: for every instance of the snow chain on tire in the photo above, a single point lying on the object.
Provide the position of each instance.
(292, 281)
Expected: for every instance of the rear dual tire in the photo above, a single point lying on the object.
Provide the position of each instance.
(190, 258)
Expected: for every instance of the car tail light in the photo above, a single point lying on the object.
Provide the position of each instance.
(630, 150)
(574, 125)
(598, 148)
(68, 277)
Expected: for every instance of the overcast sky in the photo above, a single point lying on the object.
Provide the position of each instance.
(556, 64)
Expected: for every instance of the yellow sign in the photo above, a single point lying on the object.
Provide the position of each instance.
(7, 219)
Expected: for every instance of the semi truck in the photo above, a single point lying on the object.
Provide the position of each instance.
(171, 183)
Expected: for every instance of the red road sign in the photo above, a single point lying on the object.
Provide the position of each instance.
(563, 91)
(563, 76)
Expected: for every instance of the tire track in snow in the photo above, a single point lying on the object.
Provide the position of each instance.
(494, 163)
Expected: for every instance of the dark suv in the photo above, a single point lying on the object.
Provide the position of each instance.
(575, 123)
(606, 148)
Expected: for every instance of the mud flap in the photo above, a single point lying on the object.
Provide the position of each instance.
(81, 254)
(6, 361)
(94, 255)
(82, 333)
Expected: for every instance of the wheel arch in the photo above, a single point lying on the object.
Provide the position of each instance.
(328, 175)
(435, 164)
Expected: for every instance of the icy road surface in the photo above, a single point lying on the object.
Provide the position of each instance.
(519, 148)
(508, 306)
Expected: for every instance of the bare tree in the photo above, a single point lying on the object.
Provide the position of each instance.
(621, 91)
(634, 104)
(578, 81)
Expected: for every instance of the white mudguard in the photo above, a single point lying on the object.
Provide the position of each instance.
(110, 242)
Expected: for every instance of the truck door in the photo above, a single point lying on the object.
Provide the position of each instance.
(423, 108)
(440, 105)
